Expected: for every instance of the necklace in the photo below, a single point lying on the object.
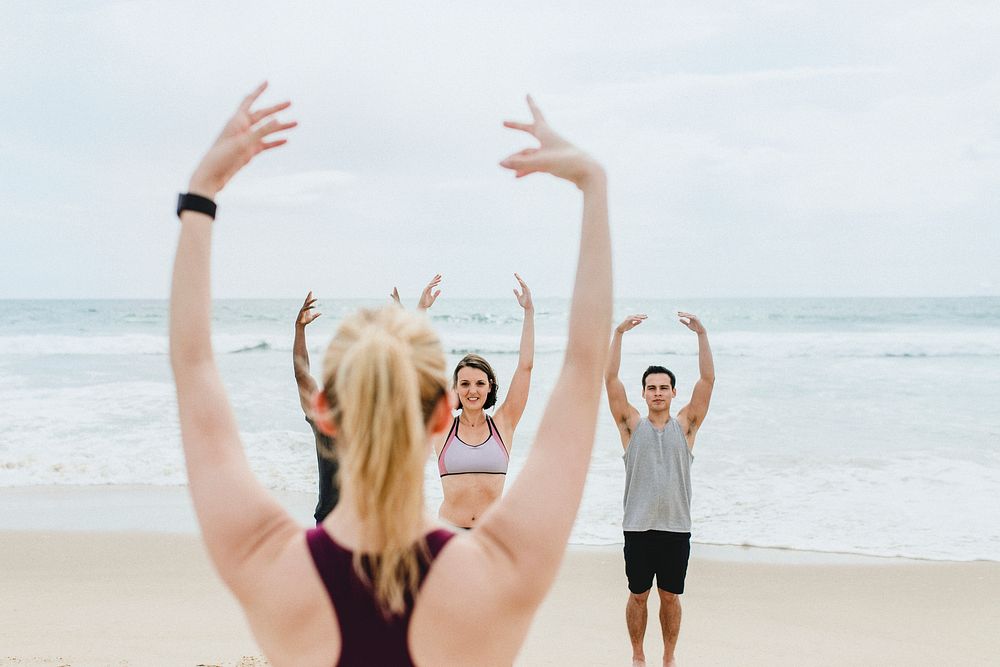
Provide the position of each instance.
(470, 424)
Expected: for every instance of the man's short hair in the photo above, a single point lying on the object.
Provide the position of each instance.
(658, 369)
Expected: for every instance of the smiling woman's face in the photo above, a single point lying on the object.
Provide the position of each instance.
(472, 387)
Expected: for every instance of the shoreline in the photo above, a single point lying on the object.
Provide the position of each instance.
(101, 508)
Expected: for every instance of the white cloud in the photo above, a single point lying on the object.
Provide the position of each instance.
(746, 143)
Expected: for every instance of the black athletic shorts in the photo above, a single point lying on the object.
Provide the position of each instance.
(659, 553)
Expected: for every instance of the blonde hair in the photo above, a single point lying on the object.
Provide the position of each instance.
(383, 375)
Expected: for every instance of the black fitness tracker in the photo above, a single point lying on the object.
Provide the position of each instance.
(190, 202)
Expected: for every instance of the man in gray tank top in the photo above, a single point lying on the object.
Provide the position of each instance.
(657, 520)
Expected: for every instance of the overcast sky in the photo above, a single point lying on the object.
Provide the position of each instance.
(753, 149)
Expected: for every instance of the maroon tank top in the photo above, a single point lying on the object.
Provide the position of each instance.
(366, 636)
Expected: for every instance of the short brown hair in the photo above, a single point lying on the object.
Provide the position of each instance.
(658, 369)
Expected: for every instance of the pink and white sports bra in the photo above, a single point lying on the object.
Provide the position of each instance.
(458, 458)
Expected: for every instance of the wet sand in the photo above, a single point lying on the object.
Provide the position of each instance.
(116, 575)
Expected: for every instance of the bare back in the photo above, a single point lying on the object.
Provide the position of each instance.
(293, 619)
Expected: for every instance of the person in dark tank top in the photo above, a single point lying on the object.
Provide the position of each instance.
(326, 452)
(656, 523)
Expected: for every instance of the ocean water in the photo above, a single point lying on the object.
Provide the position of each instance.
(866, 426)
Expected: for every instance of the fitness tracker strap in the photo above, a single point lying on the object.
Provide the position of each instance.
(191, 202)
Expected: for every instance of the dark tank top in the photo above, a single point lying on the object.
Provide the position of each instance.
(326, 464)
(367, 637)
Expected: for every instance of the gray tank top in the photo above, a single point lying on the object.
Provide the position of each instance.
(657, 479)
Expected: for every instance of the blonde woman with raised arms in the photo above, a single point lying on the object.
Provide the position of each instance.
(378, 582)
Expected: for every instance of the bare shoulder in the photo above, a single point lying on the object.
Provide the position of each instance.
(689, 426)
(288, 607)
(474, 591)
(693, 414)
(684, 418)
(439, 443)
(506, 431)
(627, 425)
(505, 428)
(631, 422)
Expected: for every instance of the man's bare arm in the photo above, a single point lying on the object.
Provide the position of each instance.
(300, 354)
(624, 413)
(697, 409)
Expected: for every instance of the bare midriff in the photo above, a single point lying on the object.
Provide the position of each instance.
(468, 496)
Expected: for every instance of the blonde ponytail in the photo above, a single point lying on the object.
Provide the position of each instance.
(383, 374)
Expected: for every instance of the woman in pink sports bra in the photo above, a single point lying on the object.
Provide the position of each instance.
(378, 582)
(473, 458)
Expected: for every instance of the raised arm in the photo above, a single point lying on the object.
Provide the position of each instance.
(427, 297)
(695, 411)
(430, 294)
(300, 354)
(509, 414)
(233, 509)
(626, 416)
(529, 527)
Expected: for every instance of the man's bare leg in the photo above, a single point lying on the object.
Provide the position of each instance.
(635, 619)
(670, 623)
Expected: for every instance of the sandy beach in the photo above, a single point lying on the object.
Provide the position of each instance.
(129, 597)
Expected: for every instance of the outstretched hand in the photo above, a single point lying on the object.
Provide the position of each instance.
(243, 137)
(429, 295)
(524, 296)
(306, 312)
(630, 322)
(691, 322)
(554, 155)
